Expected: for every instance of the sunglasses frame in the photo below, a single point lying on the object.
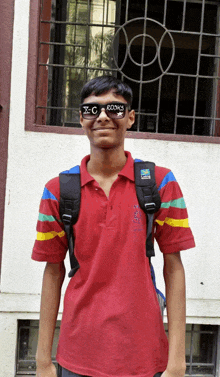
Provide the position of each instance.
(101, 106)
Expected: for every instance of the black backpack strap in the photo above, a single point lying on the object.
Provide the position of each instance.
(70, 194)
(148, 197)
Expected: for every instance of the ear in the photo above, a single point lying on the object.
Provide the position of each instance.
(81, 119)
(131, 119)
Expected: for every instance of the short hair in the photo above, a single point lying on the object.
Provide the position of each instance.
(103, 84)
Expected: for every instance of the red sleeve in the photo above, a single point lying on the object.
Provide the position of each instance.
(51, 242)
(172, 230)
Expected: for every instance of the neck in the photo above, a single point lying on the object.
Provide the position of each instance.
(106, 162)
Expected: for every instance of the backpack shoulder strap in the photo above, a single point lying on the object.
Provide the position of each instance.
(148, 197)
(70, 195)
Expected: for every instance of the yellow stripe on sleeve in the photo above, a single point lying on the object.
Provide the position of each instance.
(49, 236)
(182, 223)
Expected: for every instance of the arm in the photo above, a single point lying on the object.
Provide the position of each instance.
(175, 294)
(50, 300)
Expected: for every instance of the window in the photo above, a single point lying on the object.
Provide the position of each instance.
(167, 50)
(75, 43)
(202, 348)
(27, 346)
(201, 351)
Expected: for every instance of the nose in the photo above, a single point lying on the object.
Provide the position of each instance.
(102, 116)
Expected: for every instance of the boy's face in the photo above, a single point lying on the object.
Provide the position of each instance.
(103, 131)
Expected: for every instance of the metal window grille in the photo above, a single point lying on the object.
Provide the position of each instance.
(168, 51)
(202, 348)
(27, 347)
(201, 354)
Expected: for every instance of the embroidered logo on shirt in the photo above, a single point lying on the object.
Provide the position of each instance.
(138, 219)
(145, 174)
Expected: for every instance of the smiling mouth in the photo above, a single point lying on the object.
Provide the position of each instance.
(104, 128)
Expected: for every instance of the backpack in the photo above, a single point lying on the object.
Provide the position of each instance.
(148, 198)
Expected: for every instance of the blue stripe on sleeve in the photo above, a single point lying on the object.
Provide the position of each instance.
(74, 170)
(47, 195)
(168, 178)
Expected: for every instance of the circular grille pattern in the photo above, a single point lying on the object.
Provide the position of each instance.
(154, 35)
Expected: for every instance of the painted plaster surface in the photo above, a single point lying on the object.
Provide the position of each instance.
(34, 158)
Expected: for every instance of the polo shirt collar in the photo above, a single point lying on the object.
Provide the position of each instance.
(127, 171)
(85, 176)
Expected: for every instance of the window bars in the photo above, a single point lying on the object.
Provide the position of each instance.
(168, 51)
(202, 348)
(27, 347)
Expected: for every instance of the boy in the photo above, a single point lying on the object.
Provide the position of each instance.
(111, 325)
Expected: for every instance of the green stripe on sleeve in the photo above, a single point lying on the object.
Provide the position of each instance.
(43, 217)
(178, 203)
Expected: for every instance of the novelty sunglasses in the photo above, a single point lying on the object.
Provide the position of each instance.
(114, 110)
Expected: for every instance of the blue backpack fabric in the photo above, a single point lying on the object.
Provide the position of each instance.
(148, 198)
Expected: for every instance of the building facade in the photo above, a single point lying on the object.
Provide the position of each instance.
(169, 52)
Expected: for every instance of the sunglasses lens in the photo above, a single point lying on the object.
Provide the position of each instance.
(116, 110)
(90, 111)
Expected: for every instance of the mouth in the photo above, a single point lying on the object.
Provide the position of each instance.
(103, 128)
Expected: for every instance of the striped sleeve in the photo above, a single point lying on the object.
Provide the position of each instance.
(172, 230)
(51, 243)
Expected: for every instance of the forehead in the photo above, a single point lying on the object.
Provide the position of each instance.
(110, 96)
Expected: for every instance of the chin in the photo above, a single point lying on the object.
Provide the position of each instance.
(105, 141)
(106, 145)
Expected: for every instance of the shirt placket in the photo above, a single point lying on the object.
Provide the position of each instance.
(106, 206)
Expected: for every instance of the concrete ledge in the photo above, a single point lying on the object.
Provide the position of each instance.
(22, 303)
(198, 311)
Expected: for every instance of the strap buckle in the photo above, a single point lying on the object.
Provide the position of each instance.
(67, 219)
(150, 207)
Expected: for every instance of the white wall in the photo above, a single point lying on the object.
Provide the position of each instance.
(34, 158)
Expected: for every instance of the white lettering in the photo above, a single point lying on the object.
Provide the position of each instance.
(115, 107)
(94, 110)
(86, 109)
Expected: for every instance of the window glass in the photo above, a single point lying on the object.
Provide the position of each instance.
(168, 51)
(201, 347)
(27, 346)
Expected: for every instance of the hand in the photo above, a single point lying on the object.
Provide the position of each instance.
(48, 371)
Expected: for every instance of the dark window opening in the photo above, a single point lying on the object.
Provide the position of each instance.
(166, 50)
(27, 346)
(202, 348)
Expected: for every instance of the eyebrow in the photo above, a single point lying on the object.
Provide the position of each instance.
(107, 103)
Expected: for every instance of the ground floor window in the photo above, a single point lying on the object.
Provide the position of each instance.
(27, 347)
(202, 348)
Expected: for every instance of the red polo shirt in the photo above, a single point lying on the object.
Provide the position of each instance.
(111, 323)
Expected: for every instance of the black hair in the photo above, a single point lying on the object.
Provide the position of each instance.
(103, 84)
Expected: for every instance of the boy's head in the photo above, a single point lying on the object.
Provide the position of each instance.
(104, 84)
(105, 113)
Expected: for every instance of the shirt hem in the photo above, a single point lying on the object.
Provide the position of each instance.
(39, 256)
(175, 247)
(94, 373)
